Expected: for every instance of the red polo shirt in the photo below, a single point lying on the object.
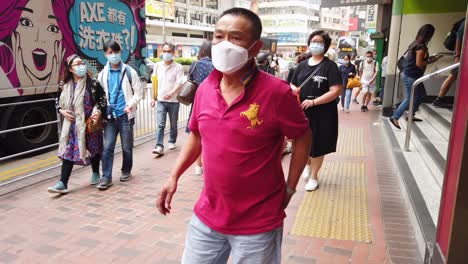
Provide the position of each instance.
(241, 149)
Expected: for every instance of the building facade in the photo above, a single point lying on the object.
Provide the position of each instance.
(290, 22)
(185, 23)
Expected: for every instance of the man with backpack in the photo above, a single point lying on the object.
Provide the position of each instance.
(124, 91)
(453, 42)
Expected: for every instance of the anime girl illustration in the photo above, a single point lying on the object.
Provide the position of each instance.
(32, 50)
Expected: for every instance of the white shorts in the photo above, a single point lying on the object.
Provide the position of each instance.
(368, 88)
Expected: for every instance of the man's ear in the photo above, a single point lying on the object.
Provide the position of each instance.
(256, 48)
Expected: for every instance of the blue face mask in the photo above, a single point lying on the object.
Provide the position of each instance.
(167, 56)
(80, 70)
(114, 58)
(316, 48)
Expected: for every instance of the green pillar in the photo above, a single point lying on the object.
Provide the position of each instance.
(379, 41)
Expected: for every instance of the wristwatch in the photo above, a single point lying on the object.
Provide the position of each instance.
(290, 191)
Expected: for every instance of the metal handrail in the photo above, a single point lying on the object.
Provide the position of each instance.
(28, 127)
(415, 84)
(28, 102)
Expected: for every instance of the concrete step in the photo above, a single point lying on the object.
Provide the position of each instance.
(421, 168)
(439, 118)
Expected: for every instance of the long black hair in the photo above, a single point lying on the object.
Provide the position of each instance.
(425, 34)
(205, 49)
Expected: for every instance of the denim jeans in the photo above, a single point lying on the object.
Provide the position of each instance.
(162, 110)
(382, 86)
(111, 129)
(419, 94)
(347, 100)
(205, 245)
(343, 95)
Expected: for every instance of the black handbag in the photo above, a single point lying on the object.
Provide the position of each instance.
(402, 60)
(187, 93)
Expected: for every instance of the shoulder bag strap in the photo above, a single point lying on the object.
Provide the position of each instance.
(190, 77)
(312, 74)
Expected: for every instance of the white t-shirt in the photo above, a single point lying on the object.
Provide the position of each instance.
(368, 70)
(168, 77)
(384, 67)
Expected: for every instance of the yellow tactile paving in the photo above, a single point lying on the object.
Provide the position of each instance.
(350, 142)
(30, 167)
(338, 209)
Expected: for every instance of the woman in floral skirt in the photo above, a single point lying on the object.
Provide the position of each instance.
(81, 101)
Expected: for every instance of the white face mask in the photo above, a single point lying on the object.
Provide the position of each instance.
(369, 59)
(316, 48)
(167, 56)
(229, 58)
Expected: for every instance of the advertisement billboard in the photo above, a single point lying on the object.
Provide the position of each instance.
(154, 8)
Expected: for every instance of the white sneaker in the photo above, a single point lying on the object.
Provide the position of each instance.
(306, 173)
(342, 109)
(198, 170)
(311, 185)
(158, 150)
(172, 146)
(347, 110)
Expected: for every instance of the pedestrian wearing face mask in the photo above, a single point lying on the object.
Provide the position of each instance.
(170, 77)
(124, 91)
(81, 100)
(368, 74)
(240, 116)
(320, 84)
(348, 70)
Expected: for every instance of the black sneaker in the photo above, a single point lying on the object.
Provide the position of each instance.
(125, 176)
(415, 119)
(104, 183)
(363, 108)
(439, 102)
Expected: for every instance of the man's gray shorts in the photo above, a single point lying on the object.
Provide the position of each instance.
(204, 245)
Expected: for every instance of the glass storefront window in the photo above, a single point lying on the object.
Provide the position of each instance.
(196, 2)
(213, 4)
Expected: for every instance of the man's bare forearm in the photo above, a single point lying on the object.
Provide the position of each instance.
(299, 157)
(189, 154)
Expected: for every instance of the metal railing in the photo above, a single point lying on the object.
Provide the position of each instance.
(411, 105)
(144, 129)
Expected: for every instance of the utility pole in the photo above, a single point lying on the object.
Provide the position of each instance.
(164, 20)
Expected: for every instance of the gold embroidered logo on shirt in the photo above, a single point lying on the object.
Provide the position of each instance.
(252, 115)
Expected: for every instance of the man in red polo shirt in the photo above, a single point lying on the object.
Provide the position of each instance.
(240, 117)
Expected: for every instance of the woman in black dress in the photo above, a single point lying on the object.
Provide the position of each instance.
(318, 99)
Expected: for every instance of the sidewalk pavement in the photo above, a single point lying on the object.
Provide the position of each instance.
(121, 224)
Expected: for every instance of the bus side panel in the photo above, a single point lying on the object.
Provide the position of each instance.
(36, 37)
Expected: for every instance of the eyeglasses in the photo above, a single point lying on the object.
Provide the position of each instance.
(78, 64)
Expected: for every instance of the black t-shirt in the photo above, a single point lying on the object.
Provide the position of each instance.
(328, 75)
(410, 68)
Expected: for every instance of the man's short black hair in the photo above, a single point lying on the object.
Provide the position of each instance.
(251, 16)
(113, 45)
(170, 45)
(324, 35)
(370, 52)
